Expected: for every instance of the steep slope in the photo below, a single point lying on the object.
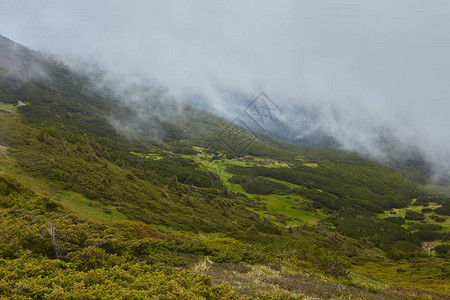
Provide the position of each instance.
(127, 178)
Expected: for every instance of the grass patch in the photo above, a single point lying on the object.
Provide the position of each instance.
(288, 207)
(311, 165)
(264, 215)
(149, 155)
(288, 184)
(407, 275)
(8, 107)
(88, 209)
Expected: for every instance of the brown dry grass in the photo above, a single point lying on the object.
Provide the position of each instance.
(3, 151)
(255, 280)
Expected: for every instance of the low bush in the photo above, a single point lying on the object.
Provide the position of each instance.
(412, 215)
(442, 249)
(396, 220)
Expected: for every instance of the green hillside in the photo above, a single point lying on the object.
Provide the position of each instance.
(102, 196)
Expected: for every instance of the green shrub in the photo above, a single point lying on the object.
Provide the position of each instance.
(404, 250)
(443, 249)
(412, 215)
(92, 258)
(444, 210)
(396, 220)
(427, 235)
(438, 219)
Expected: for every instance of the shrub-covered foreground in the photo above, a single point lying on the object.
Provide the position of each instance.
(44, 278)
(47, 252)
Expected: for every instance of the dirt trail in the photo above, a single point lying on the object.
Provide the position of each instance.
(3, 151)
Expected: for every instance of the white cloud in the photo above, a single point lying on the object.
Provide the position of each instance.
(379, 62)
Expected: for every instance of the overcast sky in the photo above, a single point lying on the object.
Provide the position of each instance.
(378, 62)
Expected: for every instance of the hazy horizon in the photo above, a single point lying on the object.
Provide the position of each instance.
(363, 65)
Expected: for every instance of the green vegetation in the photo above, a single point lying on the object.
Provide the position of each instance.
(311, 165)
(9, 108)
(98, 202)
(296, 209)
(436, 189)
(423, 210)
(85, 208)
(412, 215)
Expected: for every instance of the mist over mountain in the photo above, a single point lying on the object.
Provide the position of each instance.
(347, 74)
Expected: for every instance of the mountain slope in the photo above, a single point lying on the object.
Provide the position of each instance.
(127, 178)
